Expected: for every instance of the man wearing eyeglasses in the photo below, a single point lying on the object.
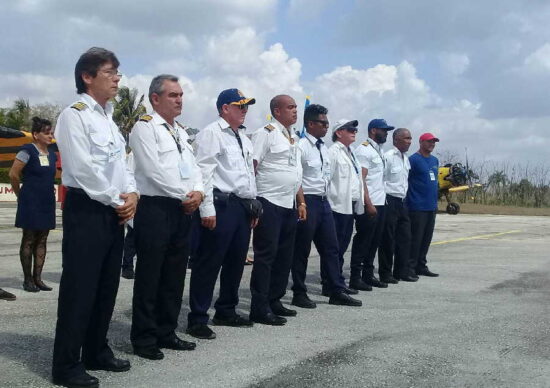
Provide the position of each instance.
(228, 213)
(319, 226)
(171, 187)
(346, 189)
(422, 203)
(101, 197)
(369, 226)
(278, 177)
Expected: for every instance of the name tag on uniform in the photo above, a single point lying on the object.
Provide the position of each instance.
(44, 161)
(115, 155)
(292, 156)
(185, 170)
(432, 175)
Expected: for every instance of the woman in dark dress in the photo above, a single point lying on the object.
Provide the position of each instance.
(35, 201)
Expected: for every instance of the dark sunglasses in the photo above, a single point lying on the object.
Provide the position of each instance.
(324, 123)
(352, 130)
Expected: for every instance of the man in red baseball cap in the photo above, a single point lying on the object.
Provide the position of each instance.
(422, 202)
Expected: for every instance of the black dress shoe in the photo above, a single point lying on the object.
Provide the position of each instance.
(427, 272)
(389, 280)
(359, 284)
(127, 273)
(200, 330)
(280, 310)
(375, 282)
(113, 365)
(235, 321)
(177, 344)
(149, 352)
(7, 295)
(408, 278)
(83, 380)
(350, 291)
(29, 286)
(303, 301)
(343, 299)
(268, 319)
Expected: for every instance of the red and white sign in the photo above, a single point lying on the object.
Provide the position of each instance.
(7, 194)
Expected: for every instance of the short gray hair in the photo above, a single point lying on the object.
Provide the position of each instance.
(398, 132)
(158, 82)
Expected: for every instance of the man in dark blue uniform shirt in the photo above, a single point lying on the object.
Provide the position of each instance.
(422, 202)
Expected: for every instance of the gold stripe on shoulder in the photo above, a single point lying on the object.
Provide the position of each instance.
(365, 143)
(79, 106)
(269, 127)
(146, 118)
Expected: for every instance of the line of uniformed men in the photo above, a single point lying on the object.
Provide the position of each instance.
(293, 192)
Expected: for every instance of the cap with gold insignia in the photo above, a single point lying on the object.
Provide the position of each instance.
(233, 97)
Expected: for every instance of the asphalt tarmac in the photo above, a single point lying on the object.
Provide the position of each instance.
(485, 322)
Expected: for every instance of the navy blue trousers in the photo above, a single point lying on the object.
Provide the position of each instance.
(162, 242)
(129, 249)
(422, 229)
(91, 252)
(396, 240)
(343, 224)
(365, 243)
(220, 250)
(319, 228)
(273, 242)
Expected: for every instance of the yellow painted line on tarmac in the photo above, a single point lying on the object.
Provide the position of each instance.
(481, 236)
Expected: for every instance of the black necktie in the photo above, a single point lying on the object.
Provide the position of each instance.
(239, 141)
(318, 145)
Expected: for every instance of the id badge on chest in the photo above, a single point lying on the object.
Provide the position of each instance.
(44, 161)
(185, 168)
(432, 175)
(292, 156)
(115, 154)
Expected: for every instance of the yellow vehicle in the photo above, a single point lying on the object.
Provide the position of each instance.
(11, 141)
(453, 178)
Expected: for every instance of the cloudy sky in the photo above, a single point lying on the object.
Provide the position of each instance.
(475, 73)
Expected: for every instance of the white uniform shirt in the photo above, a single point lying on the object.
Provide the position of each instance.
(316, 171)
(160, 169)
(222, 164)
(346, 182)
(279, 170)
(93, 152)
(396, 173)
(370, 156)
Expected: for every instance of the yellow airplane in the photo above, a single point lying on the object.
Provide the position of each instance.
(453, 178)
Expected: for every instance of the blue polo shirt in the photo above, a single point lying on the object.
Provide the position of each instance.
(423, 186)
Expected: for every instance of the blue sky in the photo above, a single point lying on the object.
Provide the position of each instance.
(474, 73)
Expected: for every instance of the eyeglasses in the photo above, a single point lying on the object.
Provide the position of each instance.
(324, 123)
(112, 73)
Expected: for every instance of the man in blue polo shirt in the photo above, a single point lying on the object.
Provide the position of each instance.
(422, 202)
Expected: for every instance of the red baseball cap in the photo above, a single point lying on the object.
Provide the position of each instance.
(428, 136)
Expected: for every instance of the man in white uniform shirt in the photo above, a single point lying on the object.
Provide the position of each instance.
(369, 226)
(101, 197)
(319, 225)
(396, 239)
(171, 188)
(229, 211)
(278, 178)
(346, 189)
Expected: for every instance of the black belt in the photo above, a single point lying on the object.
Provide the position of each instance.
(317, 197)
(395, 199)
(76, 190)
